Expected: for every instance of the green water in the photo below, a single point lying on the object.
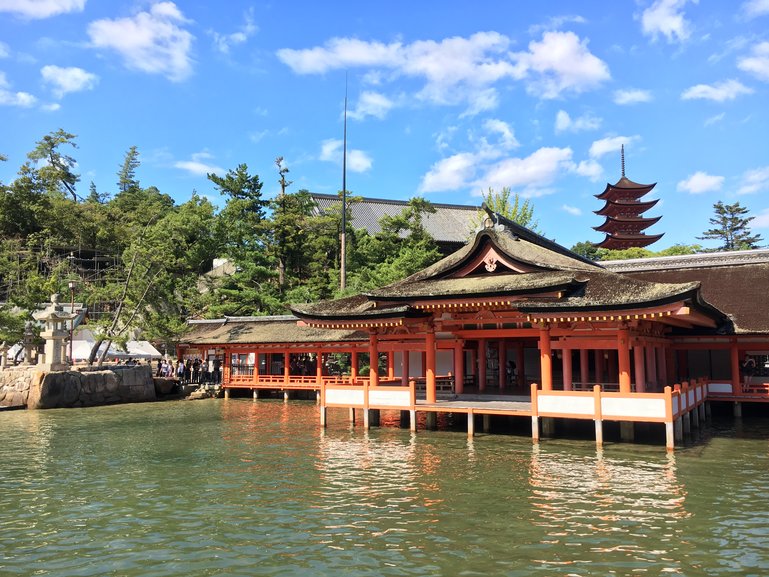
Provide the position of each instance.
(243, 488)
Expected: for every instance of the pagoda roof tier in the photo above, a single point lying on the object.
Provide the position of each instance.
(625, 188)
(626, 223)
(509, 268)
(619, 241)
(615, 207)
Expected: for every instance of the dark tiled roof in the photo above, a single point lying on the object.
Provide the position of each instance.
(734, 282)
(269, 329)
(449, 223)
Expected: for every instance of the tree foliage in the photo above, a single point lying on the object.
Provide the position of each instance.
(731, 227)
(511, 206)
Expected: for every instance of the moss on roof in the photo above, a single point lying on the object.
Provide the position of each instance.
(257, 330)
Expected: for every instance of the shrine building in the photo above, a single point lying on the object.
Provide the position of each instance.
(512, 324)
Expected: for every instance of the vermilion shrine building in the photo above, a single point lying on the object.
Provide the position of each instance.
(514, 324)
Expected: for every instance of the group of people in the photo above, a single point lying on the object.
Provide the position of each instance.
(196, 371)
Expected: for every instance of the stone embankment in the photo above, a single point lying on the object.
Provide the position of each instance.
(83, 387)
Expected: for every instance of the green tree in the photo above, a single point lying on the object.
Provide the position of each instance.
(402, 248)
(241, 230)
(57, 171)
(731, 226)
(510, 205)
(586, 249)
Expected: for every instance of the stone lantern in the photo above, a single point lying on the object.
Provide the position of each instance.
(29, 342)
(55, 333)
(3, 355)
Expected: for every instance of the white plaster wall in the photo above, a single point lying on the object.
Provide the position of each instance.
(345, 397)
(719, 387)
(567, 405)
(395, 398)
(619, 407)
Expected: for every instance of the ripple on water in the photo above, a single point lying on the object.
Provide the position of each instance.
(242, 488)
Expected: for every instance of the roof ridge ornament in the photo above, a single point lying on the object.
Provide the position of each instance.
(490, 220)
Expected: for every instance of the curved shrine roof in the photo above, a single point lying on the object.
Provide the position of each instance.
(506, 260)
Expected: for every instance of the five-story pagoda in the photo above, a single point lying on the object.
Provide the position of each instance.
(624, 209)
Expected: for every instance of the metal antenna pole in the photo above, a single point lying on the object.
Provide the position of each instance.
(343, 251)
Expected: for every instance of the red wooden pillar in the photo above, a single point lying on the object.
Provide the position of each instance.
(459, 368)
(319, 367)
(545, 359)
(662, 370)
(390, 365)
(623, 360)
(430, 365)
(567, 369)
(651, 366)
(584, 366)
(598, 353)
(734, 355)
(373, 362)
(286, 367)
(481, 364)
(502, 356)
(640, 368)
(405, 367)
(353, 366)
(521, 365)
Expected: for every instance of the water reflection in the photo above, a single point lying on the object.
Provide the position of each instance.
(608, 512)
(243, 488)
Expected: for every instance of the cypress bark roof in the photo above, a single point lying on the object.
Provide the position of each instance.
(735, 282)
(507, 260)
(268, 329)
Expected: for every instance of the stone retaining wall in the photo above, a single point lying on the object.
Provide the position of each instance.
(83, 387)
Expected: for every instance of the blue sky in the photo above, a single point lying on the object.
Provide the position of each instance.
(446, 99)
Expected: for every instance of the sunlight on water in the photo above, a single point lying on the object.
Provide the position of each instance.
(243, 488)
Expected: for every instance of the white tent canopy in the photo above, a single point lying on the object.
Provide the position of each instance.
(84, 342)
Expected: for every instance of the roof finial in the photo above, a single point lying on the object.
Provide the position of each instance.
(622, 153)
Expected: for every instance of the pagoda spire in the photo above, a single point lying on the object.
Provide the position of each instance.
(622, 155)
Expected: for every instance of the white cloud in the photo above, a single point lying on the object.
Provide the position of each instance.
(756, 180)
(666, 17)
(507, 137)
(450, 173)
(755, 8)
(590, 169)
(52, 107)
(531, 175)
(5, 50)
(719, 92)
(714, 119)
(564, 122)
(371, 104)
(39, 9)
(761, 220)
(559, 63)
(461, 70)
(631, 96)
(198, 165)
(758, 63)
(223, 42)
(573, 210)
(604, 146)
(150, 41)
(10, 98)
(357, 160)
(71, 79)
(700, 182)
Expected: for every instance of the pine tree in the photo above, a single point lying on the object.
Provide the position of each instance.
(730, 225)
